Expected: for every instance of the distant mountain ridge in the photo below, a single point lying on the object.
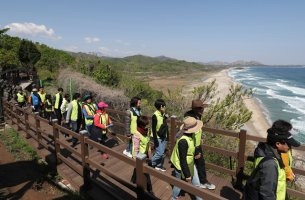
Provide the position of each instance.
(165, 58)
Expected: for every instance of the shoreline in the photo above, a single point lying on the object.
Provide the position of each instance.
(258, 124)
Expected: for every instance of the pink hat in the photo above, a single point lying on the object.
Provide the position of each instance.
(102, 105)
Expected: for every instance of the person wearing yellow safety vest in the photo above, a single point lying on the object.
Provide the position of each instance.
(160, 135)
(21, 98)
(102, 122)
(131, 117)
(57, 104)
(268, 179)
(75, 116)
(89, 109)
(141, 146)
(42, 95)
(49, 108)
(196, 112)
(182, 157)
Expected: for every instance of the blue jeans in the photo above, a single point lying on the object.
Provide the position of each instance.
(195, 182)
(75, 126)
(158, 158)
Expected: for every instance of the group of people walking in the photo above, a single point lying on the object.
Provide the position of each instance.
(187, 157)
(273, 158)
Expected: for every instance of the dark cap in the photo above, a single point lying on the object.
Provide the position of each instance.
(279, 132)
(86, 97)
(197, 103)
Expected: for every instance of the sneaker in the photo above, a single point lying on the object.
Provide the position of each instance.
(208, 185)
(160, 169)
(126, 153)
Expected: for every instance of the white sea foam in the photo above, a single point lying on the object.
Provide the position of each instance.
(293, 89)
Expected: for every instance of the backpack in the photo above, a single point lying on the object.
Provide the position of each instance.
(250, 190)
(35, 100)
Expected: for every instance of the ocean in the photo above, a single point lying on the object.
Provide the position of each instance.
(280, 92)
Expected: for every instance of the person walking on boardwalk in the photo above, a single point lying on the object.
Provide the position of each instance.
(74, 116)
(42, 95)
(89, 109)
(268, 179)
(182, 158)
(140, 145)
(64, 105)
(35, 101)
(196, 112)
(57, 104)
(132, 115)
(21, 97)
(49, 109)
(160, 135)
(102, 122)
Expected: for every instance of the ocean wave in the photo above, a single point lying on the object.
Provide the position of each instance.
(294, 90)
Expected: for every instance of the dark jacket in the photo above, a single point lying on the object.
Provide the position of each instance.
(266, 176)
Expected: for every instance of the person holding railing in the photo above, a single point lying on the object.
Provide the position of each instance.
(182, 158)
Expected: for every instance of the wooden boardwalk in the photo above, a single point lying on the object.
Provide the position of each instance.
(102, 182)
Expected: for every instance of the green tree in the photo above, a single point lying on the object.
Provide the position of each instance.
(28, 54)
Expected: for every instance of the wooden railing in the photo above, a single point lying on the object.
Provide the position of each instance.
(20, 117)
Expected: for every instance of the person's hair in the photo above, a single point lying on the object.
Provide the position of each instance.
(67, 96)
(76, 95)
(159, 103)
(60, 90)
(134, 101)
(142, 121)
(49, 97)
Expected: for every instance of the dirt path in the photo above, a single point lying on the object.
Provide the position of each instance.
(22, 180)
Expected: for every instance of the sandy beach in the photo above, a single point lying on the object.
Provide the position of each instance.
(258, 124)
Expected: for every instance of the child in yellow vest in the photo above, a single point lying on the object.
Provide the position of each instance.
(140, 145)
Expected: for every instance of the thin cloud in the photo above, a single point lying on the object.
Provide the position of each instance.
(32, 29)
(122, 42)
(92, 39)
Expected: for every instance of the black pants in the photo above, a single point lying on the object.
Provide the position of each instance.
(58, 115)
(148, 181)
(200, 164)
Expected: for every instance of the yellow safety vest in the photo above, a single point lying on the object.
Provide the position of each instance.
(20, 98)
(133, 123)
(57, 98)
(42, 96)
(159, 116)
(48, 106)
(104, 120)
(175, 157)
(74, 113)
(144, 144)
(90, 109)
(281, 179)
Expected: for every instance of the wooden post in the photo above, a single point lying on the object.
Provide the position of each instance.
(241, 159)
(173, 131)
(84, 157)
(55, 138)
(140, 180)
(38, 132)
(27, 126)
(17, 112)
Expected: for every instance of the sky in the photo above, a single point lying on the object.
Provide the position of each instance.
(268, 31)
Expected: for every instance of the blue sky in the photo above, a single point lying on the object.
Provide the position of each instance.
(268, 31)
